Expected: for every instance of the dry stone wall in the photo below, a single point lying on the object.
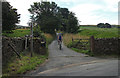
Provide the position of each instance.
(19, 45)
(106, 46)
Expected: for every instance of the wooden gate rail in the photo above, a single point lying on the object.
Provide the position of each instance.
(90, 40)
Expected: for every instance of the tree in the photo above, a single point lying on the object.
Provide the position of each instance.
(63, 14)
(68, 21)
(72, 24)
(102, 25)
(50, 17)
(107, 25)
(9, 17)
(45, 15)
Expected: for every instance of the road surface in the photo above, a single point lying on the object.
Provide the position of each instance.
(66, 62)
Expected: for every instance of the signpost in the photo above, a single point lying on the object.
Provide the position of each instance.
(31, 36)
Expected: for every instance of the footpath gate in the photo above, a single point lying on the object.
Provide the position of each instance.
(83, 44)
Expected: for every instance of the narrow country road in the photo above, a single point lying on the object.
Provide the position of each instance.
(66, 62)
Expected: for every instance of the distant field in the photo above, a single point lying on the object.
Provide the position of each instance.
(99, 32)
(17, 33)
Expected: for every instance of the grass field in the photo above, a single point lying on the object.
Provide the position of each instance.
(17, 33)
(99, 32)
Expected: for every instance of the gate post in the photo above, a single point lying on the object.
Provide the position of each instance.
(26, 42)
(72, 39)
(92, 43)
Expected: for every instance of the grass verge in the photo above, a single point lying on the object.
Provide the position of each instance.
(83, 51)
(26, 63)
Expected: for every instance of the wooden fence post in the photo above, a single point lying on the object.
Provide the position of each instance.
(72, 39)
(26, 43)
(92, 43)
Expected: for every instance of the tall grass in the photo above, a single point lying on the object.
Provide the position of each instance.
(49, 38)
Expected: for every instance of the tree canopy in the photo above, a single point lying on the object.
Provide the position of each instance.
(49, 17)
(102, 25)
(9, 16)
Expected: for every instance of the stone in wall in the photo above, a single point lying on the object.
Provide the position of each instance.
(106, 46)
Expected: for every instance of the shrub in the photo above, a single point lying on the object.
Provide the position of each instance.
(37, 31)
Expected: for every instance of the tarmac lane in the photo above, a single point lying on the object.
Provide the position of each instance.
(66, 62)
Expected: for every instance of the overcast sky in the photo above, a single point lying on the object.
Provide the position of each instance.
(87, 11)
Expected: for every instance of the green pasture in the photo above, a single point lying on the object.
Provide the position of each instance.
(99, 32)
(17, 33)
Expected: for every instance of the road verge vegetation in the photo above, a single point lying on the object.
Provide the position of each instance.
(17, 66)
(49, 38)
(23, 65)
